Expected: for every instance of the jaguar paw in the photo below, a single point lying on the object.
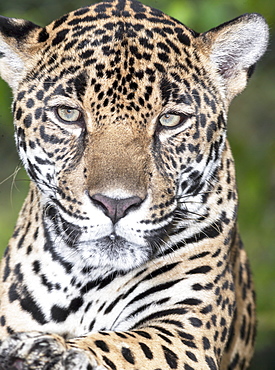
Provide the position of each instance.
(29, 351)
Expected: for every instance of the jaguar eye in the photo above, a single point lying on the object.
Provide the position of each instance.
(172, 120)
(68, 114)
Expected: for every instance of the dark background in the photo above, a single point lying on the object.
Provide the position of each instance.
(251, 132)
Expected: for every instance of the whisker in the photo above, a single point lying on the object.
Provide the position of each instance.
(11, 175)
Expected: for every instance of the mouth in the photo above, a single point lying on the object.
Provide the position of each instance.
(113, 243)
(115, 252)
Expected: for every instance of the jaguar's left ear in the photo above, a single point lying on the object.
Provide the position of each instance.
(234, 48)
(18, 44)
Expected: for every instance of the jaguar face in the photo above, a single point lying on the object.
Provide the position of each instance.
(119, 158)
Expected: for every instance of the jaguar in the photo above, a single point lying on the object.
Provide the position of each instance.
(126, 253)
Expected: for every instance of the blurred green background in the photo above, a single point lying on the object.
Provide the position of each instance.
(251, 132)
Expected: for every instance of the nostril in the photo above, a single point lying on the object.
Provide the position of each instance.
(114, 208)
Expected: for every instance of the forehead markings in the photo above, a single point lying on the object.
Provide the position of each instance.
(86, 19)
(127, 34)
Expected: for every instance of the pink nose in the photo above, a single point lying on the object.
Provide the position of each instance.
(116, 209)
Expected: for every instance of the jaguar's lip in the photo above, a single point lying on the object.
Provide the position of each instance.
(110, 239)
(113, 243)
(113, 236)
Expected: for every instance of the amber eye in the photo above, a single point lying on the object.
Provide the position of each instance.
(68, 114)
(170, 120)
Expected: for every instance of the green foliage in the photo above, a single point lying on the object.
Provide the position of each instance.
(251, 133)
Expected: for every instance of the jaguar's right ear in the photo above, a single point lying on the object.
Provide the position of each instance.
(18, 44)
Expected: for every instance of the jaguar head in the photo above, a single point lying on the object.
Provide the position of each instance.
(120, 121)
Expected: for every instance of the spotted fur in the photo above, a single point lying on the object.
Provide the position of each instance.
(126, 253)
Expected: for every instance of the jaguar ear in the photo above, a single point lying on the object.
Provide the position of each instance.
(17, 46)
(234, 48)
